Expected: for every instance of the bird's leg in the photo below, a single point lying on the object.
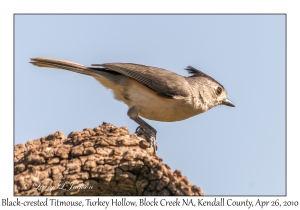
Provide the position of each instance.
(144, 127)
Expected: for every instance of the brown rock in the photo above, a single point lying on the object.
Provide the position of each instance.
(63, 152)
(19, 168)
(106, 160)
(77, 150)
(53, 161)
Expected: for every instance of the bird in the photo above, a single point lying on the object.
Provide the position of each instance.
(150, 92)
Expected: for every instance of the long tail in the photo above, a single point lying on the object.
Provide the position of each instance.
(67, 65)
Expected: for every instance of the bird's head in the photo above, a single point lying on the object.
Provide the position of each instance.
(211, 92)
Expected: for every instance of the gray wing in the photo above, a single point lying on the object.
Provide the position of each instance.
(165, 83)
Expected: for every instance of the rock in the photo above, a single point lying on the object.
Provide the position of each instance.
(106, 161)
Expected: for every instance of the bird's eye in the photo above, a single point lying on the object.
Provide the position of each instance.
(219, 91)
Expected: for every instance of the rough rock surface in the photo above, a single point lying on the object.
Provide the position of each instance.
(105, 160)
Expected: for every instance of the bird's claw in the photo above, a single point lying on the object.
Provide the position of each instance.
(153, 143)
(137, 130)
(150, 138)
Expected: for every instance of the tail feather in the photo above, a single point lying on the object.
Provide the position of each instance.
(66, 65)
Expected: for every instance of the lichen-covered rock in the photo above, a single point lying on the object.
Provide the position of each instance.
(106, 160)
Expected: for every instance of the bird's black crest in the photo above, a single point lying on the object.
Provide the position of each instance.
(193, 71)
(197, 73)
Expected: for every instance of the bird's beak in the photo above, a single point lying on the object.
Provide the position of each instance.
(227, 102)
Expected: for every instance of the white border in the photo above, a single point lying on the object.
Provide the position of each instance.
(8, 8)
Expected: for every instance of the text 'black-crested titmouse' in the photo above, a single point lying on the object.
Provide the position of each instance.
(150, 92)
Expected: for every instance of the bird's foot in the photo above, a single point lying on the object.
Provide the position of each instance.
(150, 138)
(153, 143)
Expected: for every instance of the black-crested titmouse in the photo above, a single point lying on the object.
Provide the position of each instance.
(150, 92)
